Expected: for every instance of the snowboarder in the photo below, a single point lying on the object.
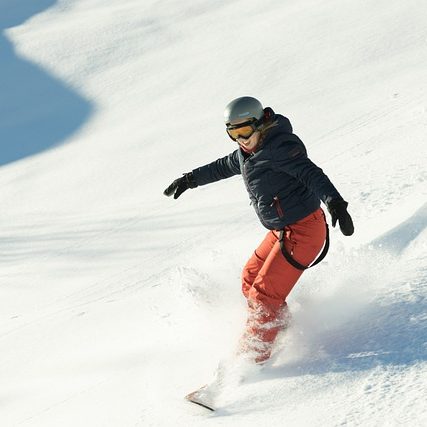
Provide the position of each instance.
(285, 188)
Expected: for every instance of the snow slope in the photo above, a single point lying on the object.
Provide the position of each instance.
(115, 301)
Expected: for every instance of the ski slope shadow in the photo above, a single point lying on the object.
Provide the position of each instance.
(37, 111)
(380, 335)
(400, 237)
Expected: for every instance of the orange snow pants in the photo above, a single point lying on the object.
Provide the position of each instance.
(268, 278)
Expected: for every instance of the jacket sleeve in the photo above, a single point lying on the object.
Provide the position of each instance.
(291, 158)
(225, 167)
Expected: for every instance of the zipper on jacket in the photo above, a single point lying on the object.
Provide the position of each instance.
(246, 180)
(276, 204)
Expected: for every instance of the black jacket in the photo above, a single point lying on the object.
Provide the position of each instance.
(284, 185)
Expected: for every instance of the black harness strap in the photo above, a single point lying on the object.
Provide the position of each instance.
(295, 263)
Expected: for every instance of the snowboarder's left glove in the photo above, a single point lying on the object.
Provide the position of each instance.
(338, 210)
(180, 185)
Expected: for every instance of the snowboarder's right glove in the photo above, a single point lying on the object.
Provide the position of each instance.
(180, 185)
(338, 210)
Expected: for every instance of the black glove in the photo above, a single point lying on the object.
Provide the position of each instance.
(338, 210)
(180, 185)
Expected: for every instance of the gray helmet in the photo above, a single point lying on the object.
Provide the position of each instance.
(244, 107)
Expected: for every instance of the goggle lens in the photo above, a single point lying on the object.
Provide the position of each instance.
(243, 132)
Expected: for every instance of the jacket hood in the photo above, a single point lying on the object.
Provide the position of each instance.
(279, 125)
(284, 124)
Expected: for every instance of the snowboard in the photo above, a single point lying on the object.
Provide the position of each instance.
(201, 397)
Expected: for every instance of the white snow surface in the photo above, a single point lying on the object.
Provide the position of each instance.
(117, 301)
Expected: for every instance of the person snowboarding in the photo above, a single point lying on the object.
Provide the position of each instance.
(285, 188)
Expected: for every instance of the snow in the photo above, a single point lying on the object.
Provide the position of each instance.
(116, 301)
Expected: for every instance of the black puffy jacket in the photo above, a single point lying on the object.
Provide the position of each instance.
(284, 185)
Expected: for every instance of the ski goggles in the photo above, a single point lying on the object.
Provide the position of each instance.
(242, 130)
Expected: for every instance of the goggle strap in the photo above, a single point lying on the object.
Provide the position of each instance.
(256, 122)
